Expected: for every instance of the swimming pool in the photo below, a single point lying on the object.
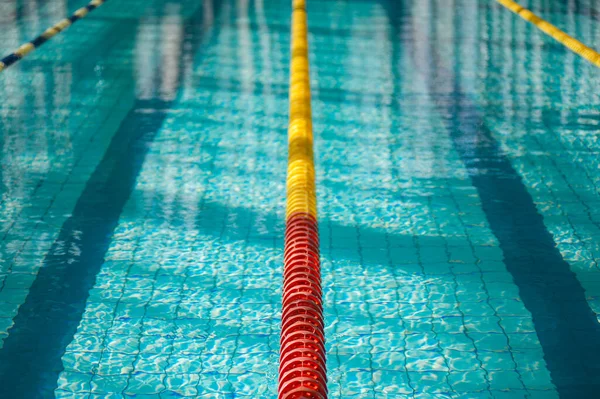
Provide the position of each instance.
(143, 170)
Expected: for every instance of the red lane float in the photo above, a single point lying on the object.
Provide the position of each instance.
(302, 372)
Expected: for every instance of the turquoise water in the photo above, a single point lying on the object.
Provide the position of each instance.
(142, 180)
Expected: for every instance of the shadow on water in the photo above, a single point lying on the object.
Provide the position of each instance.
(30, 360)
(567, 328)
(269, 227)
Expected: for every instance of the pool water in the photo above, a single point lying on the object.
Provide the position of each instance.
(142, 181)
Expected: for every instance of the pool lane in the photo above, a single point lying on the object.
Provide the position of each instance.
(187, 300)
(229, 258)
(554, 121)
(566, 325)
(357, 99)
(412, 275)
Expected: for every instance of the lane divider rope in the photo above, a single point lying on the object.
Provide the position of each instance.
(302, 371)
(568, 41)
(49, 33)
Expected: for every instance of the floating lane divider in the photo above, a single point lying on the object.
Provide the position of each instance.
(302, 372)
(27, 48)
(568, 41)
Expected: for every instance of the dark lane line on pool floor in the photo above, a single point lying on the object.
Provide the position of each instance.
(565, 324)
(30, 360)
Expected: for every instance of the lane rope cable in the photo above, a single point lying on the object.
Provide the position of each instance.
(568, 41)
(302, 372)
(49, 33)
